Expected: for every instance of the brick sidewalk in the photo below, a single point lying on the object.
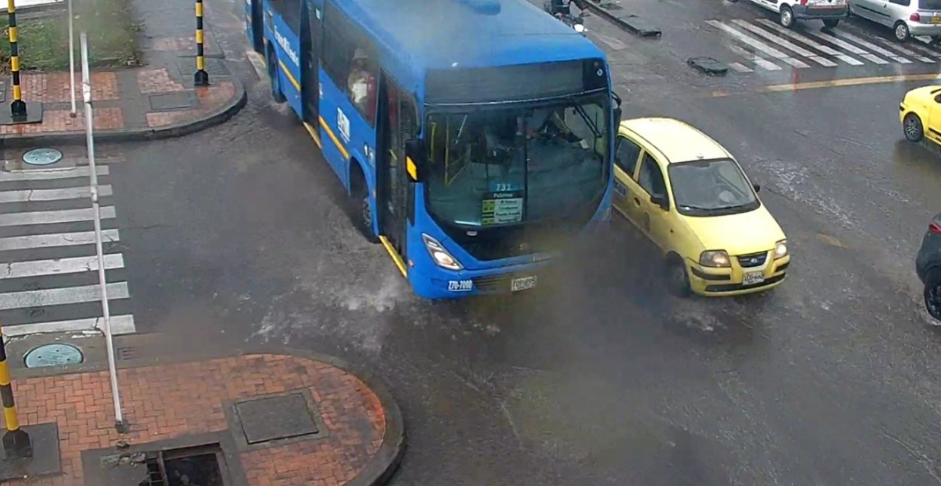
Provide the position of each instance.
(171, 402)
(140, 101)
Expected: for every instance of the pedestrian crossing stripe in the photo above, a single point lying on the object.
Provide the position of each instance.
(46, 268)
(765, 45)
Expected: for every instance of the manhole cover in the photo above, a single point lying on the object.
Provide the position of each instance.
(272, 418)
(53, 355)
(42, 156)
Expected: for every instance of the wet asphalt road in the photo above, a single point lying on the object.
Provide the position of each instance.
(235, 237)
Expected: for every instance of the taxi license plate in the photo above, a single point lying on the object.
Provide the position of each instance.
(753, 278)
(936, 20)
(522, 283)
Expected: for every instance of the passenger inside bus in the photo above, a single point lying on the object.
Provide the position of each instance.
(362, 84)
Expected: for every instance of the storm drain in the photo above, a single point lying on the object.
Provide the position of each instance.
(197, 466)
(278, 417)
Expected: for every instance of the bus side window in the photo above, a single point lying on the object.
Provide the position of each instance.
(351, 62)
(290, 11)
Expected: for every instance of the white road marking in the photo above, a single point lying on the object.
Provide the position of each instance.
(785, 44)
(758, 60)
(56, 239)
(849, 47)
(50, 217)
(904, 50)
(808, 42)
(59, 266)
(875, 48)
(923, 44)
(31, 195)
(119, 325)
(46, 174)
(61, 296)
(761, 46)
(738, 67)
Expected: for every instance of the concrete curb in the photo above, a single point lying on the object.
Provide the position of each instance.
(216, 117)
(377, 472)
(629, 22)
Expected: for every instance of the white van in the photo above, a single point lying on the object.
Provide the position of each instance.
(790, 11)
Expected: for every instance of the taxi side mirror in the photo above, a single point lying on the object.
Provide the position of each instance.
(660, 200)
(617, 108)
(415, 160)
(757, 187)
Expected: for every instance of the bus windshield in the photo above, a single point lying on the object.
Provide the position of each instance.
(506, 166)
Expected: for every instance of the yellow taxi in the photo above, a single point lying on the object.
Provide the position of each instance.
(921, 106)
(689, 196)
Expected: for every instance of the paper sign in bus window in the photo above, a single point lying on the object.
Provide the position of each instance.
(502, 208)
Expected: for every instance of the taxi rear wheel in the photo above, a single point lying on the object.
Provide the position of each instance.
(933, 294)
(676, 278)
(913, 128)
(787, 17)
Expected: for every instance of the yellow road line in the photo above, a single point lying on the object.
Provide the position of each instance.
(395, 255)
(836, 83)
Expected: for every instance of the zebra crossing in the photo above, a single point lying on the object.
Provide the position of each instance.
(763, 45)
(48, 262)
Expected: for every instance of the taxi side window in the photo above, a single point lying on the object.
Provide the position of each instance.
(651, 179)
(626, 156)
(904, 3)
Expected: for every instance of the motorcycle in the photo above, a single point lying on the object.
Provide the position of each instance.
(561, 9)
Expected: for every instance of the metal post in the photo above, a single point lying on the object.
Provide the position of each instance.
(18, 107)
(119, 424)
(201, 77)
(72, 59)
(16, 442)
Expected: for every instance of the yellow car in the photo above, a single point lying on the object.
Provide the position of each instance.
(919, 107)
(687, 194)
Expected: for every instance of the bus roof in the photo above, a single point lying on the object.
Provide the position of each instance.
(440, 34)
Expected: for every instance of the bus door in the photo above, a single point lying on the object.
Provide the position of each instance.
(256, 26)
(311, 38)
(397, 124)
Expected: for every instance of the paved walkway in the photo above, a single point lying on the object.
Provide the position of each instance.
(157, 99)
(359, 430)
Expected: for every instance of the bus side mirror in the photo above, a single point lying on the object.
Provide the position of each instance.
(415, 161)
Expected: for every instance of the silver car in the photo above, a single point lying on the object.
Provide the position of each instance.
(905, 17)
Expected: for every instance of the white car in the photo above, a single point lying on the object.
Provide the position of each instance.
(790, 11)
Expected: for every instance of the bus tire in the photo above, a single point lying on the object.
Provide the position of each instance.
(360, 212)
(276, 93)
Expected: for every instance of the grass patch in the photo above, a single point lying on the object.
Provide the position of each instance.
(43, 38)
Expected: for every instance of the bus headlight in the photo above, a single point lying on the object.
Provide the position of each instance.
(441, 256)
(579, 28)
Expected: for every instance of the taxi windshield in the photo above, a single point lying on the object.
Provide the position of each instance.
(711, 187)
(512, 165)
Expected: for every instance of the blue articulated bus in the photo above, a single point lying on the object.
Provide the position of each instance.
(475, 137)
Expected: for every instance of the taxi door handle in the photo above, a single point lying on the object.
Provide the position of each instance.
(637, 201)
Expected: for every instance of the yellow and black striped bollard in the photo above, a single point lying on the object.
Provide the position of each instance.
(18, 107)
(16, 442)
(201, 77)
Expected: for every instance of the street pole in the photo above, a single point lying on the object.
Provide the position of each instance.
(18, 107)
(16, 443)
(119, 422)
(200, 77)
(72, 59)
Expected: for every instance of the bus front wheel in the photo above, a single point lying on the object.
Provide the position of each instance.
(273, 76)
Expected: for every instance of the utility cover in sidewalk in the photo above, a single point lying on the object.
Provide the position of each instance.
(53, 355)
(272, 418)
(171, 101)
(44, 439)
(42, 156)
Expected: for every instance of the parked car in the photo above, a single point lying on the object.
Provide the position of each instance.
(919, 107)
(905, 17)
(928, 267)
(688, 195)
(790, 11)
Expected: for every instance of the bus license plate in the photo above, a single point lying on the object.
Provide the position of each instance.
(522, 283)
(753, 278)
